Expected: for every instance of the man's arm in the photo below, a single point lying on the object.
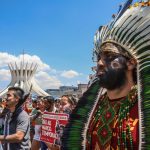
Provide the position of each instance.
(14, 138)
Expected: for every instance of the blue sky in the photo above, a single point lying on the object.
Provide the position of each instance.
(57, 33)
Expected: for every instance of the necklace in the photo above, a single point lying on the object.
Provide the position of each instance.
(124, 120)
(118, 110)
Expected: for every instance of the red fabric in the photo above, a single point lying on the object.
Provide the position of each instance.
(134, 123)
(94, 141)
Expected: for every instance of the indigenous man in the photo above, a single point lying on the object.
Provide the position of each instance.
(113, 112)
(117, 110)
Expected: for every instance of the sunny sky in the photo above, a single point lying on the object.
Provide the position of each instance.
(55, 34)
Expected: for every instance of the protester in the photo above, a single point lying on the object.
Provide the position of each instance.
(27, 106)
(3, 103)
(17, 124)
(33, 116)
(57, 104)
(66, 104)
(1, 117)
(3, 113)
(108, 115)
(36, 142)
(49, 103)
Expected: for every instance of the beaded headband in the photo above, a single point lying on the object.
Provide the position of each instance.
(112, 47)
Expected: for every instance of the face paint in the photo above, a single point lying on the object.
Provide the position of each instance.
(115, 63)
(113, 74)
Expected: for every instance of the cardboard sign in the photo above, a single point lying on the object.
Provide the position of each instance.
(52, 124)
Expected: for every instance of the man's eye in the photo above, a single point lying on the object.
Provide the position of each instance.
(8, 95)
(115, 63)
(98, 57)
(111, 57)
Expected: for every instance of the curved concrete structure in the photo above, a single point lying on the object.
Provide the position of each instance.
(23, 76)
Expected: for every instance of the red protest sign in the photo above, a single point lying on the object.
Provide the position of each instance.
(51, 122)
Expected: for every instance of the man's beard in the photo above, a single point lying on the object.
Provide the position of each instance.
(112, 78)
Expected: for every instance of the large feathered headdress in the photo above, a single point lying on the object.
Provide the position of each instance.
(131, 31)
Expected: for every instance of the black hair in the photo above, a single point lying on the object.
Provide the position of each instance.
(39, 97)
(35, 101)
(49, 99)
(18, 92)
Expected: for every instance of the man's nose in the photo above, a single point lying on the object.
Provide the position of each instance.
(101, 63)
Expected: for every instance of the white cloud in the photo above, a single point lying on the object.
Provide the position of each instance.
(78, 82)
(46, 81)
(8, 58)
(45, 76)
(5, 59)
(4, 75)
(69, 74)
(35, 60)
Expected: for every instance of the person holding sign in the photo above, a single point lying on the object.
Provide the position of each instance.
(49, 104)
(66, 104)
(36, 143)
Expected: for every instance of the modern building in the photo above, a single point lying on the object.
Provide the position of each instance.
(81, 89)
(22, 75)
(68, 90)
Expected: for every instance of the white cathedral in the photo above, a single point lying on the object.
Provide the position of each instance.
(22, 75)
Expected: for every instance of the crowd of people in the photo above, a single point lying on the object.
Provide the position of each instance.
(21, 119)
(113, 114)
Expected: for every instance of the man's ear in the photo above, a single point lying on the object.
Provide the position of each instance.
(17, 99)
(131, 64)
